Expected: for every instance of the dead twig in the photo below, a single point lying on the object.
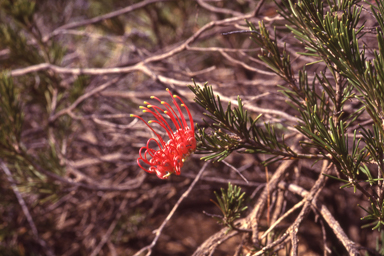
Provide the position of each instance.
(107, 234)
(234, 168)
(24, 207)
(349, 245)
(101, 17)
(160, 229)
(81, 99)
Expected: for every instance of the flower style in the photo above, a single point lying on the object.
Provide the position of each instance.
(170, 155)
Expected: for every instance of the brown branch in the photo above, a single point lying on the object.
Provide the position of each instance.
(285, 215)
(259, 110)
(81, 99)
(183, 196)
(293, 229)
(102, 17)
(132, 186)
(349, 245)
(258, 8)
(244, 65)
(236, 170)
(141, 66)
(280, 201)
(225, 181)
(77, 71)
(324, 235)
(25, 210)
(107, 234)
(311, 196)
(281, 240)
(210, 245)
(253, 218)
(218, 10)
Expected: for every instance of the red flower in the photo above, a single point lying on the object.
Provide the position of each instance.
(170, 155)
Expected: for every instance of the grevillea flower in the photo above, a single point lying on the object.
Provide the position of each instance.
(169, 156)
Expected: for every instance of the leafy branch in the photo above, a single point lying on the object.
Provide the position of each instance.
(230, 204)
(234, 129)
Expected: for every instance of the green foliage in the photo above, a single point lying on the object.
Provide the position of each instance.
(11, 116)
(21, 37)
(231, 205)
(374, 216)
(18, 25)
(20, 51)
(332, 35)
(21, 10)
(270, 53)
(78, 88)
(380, 243)
(329, 32)
(234, 129)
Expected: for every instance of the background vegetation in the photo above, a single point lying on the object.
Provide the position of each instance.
(74, 70)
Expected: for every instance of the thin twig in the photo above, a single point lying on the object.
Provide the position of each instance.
(24, 207)
(285, 215)
(107, 234)
(218, 10)
(102, 17)
(234, 168)
(259, 110)
(309, 198)
(160, 229)
(56, 177)
(277, 242)
(258, 8)
(140, 66)
(225, 181)
(82, 98)
(268, 196)
(246, 66)
(253, 219)
(324, 232)
(241, 32)
(328, 217)
(210, 245)
(279, 205)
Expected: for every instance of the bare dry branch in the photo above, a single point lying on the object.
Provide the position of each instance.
(160, 229)
(24, 207)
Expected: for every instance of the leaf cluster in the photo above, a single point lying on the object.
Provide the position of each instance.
(230, 203)
(329, 32)
(235, 129)
(11, 116)
(332, 34)
(17, 28)
(22, 39)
